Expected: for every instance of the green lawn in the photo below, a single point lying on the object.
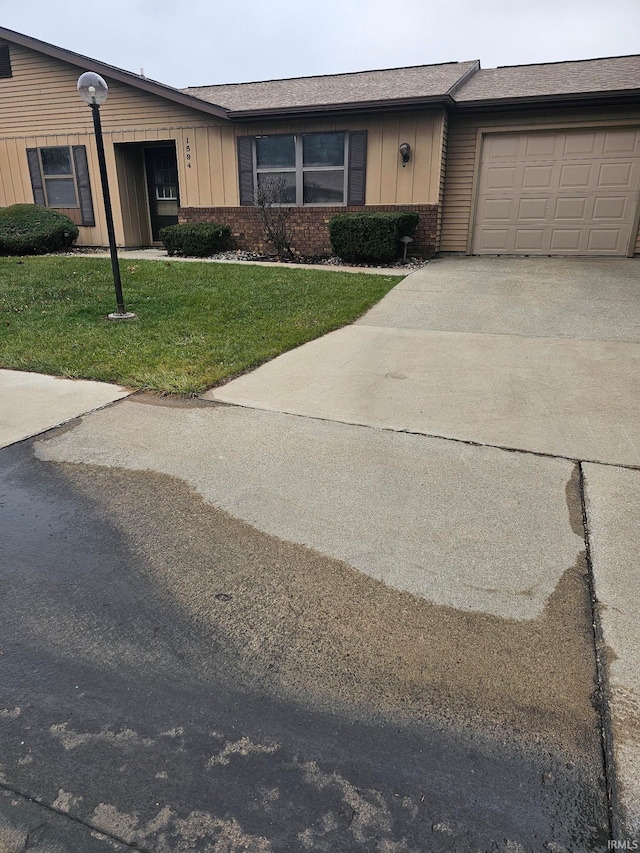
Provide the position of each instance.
(197, 325)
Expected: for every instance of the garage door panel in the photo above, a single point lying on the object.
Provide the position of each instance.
(532, 209)
(622, 142)
(497, 210)
(529, 239)
(565, 239)
(537, 177)
(615, 175)
(606, 240)
(574, 175)
(495, 240)
(612, 208)
(561, 192)
(503, 147)
(580, 144)
(540, 146)
(500, 177)
(570, 207)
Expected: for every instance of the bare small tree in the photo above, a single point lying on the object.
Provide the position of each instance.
(274, 212)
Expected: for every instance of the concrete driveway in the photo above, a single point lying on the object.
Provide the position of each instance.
(249, 630)
(538, 356)
(534, 354)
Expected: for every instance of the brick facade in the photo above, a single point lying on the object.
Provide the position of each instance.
(309, 226)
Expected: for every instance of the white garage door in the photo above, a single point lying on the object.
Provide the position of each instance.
(558, 192)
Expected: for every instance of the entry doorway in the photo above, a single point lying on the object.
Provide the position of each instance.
(162, 184)
(149, 189)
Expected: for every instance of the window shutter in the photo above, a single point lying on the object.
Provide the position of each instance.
(84, 187)
(36, 177)
(357, 167)
(245, 169)
(5, 61)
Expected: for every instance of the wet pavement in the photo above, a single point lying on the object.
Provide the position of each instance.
(174, 677)
(234, 629)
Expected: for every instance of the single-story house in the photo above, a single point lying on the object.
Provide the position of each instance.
(533, 159)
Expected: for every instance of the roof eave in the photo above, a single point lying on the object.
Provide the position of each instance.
(581, 99)
(392, 104)
(119, 74)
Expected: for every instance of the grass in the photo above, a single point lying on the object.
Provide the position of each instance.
(198, 323)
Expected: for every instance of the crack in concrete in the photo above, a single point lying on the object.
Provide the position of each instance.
(603, 694)
(467, 441)
(30, 799)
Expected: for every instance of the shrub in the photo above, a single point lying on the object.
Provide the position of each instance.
(196, 240)
(28, 229)
(274, 213)
(370, 236)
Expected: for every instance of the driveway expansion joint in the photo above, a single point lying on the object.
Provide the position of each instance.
(29, 798)
(602, 694)
(466, 441)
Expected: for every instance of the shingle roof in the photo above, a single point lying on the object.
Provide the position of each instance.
(583, 77)
(422, 81)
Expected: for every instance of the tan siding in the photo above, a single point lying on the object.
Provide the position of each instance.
(444, 143)
(373, 188)
(41, 96)
(405, 176)
(231, 191)
(387, 181)
(202, 157)
(133, 195)
(461, 158)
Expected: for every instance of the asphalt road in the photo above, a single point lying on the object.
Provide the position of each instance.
(176, 678)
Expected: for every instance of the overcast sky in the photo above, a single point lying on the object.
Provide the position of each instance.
(198, 42)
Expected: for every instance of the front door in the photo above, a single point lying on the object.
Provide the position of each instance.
(162, 182)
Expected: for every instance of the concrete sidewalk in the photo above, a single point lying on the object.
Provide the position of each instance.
(161, 255)
(32, 402)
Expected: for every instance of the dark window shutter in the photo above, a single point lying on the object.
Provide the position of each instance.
(245, 169)
(36, 177)
(5, 61)
(84, 187)
(357, 166)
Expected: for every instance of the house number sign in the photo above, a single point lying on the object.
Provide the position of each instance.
(188, 152)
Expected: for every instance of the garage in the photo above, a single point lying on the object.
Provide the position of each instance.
(559, 192)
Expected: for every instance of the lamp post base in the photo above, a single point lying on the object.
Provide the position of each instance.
(127, 315)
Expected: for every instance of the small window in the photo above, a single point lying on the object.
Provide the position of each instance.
(59, 178)
(5, 61)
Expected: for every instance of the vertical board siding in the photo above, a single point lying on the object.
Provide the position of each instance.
(462, 157)
(405, 176)
(373, 191)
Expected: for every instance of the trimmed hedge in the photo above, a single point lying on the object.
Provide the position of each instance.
(370, 236)
(28, 229)
(196, 240)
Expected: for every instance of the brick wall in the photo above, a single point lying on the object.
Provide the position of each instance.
(310, 226)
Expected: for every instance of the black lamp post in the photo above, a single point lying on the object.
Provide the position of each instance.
(93, 91)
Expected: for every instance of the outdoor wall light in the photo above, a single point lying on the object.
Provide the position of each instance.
(93, 91)
(405, 153)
